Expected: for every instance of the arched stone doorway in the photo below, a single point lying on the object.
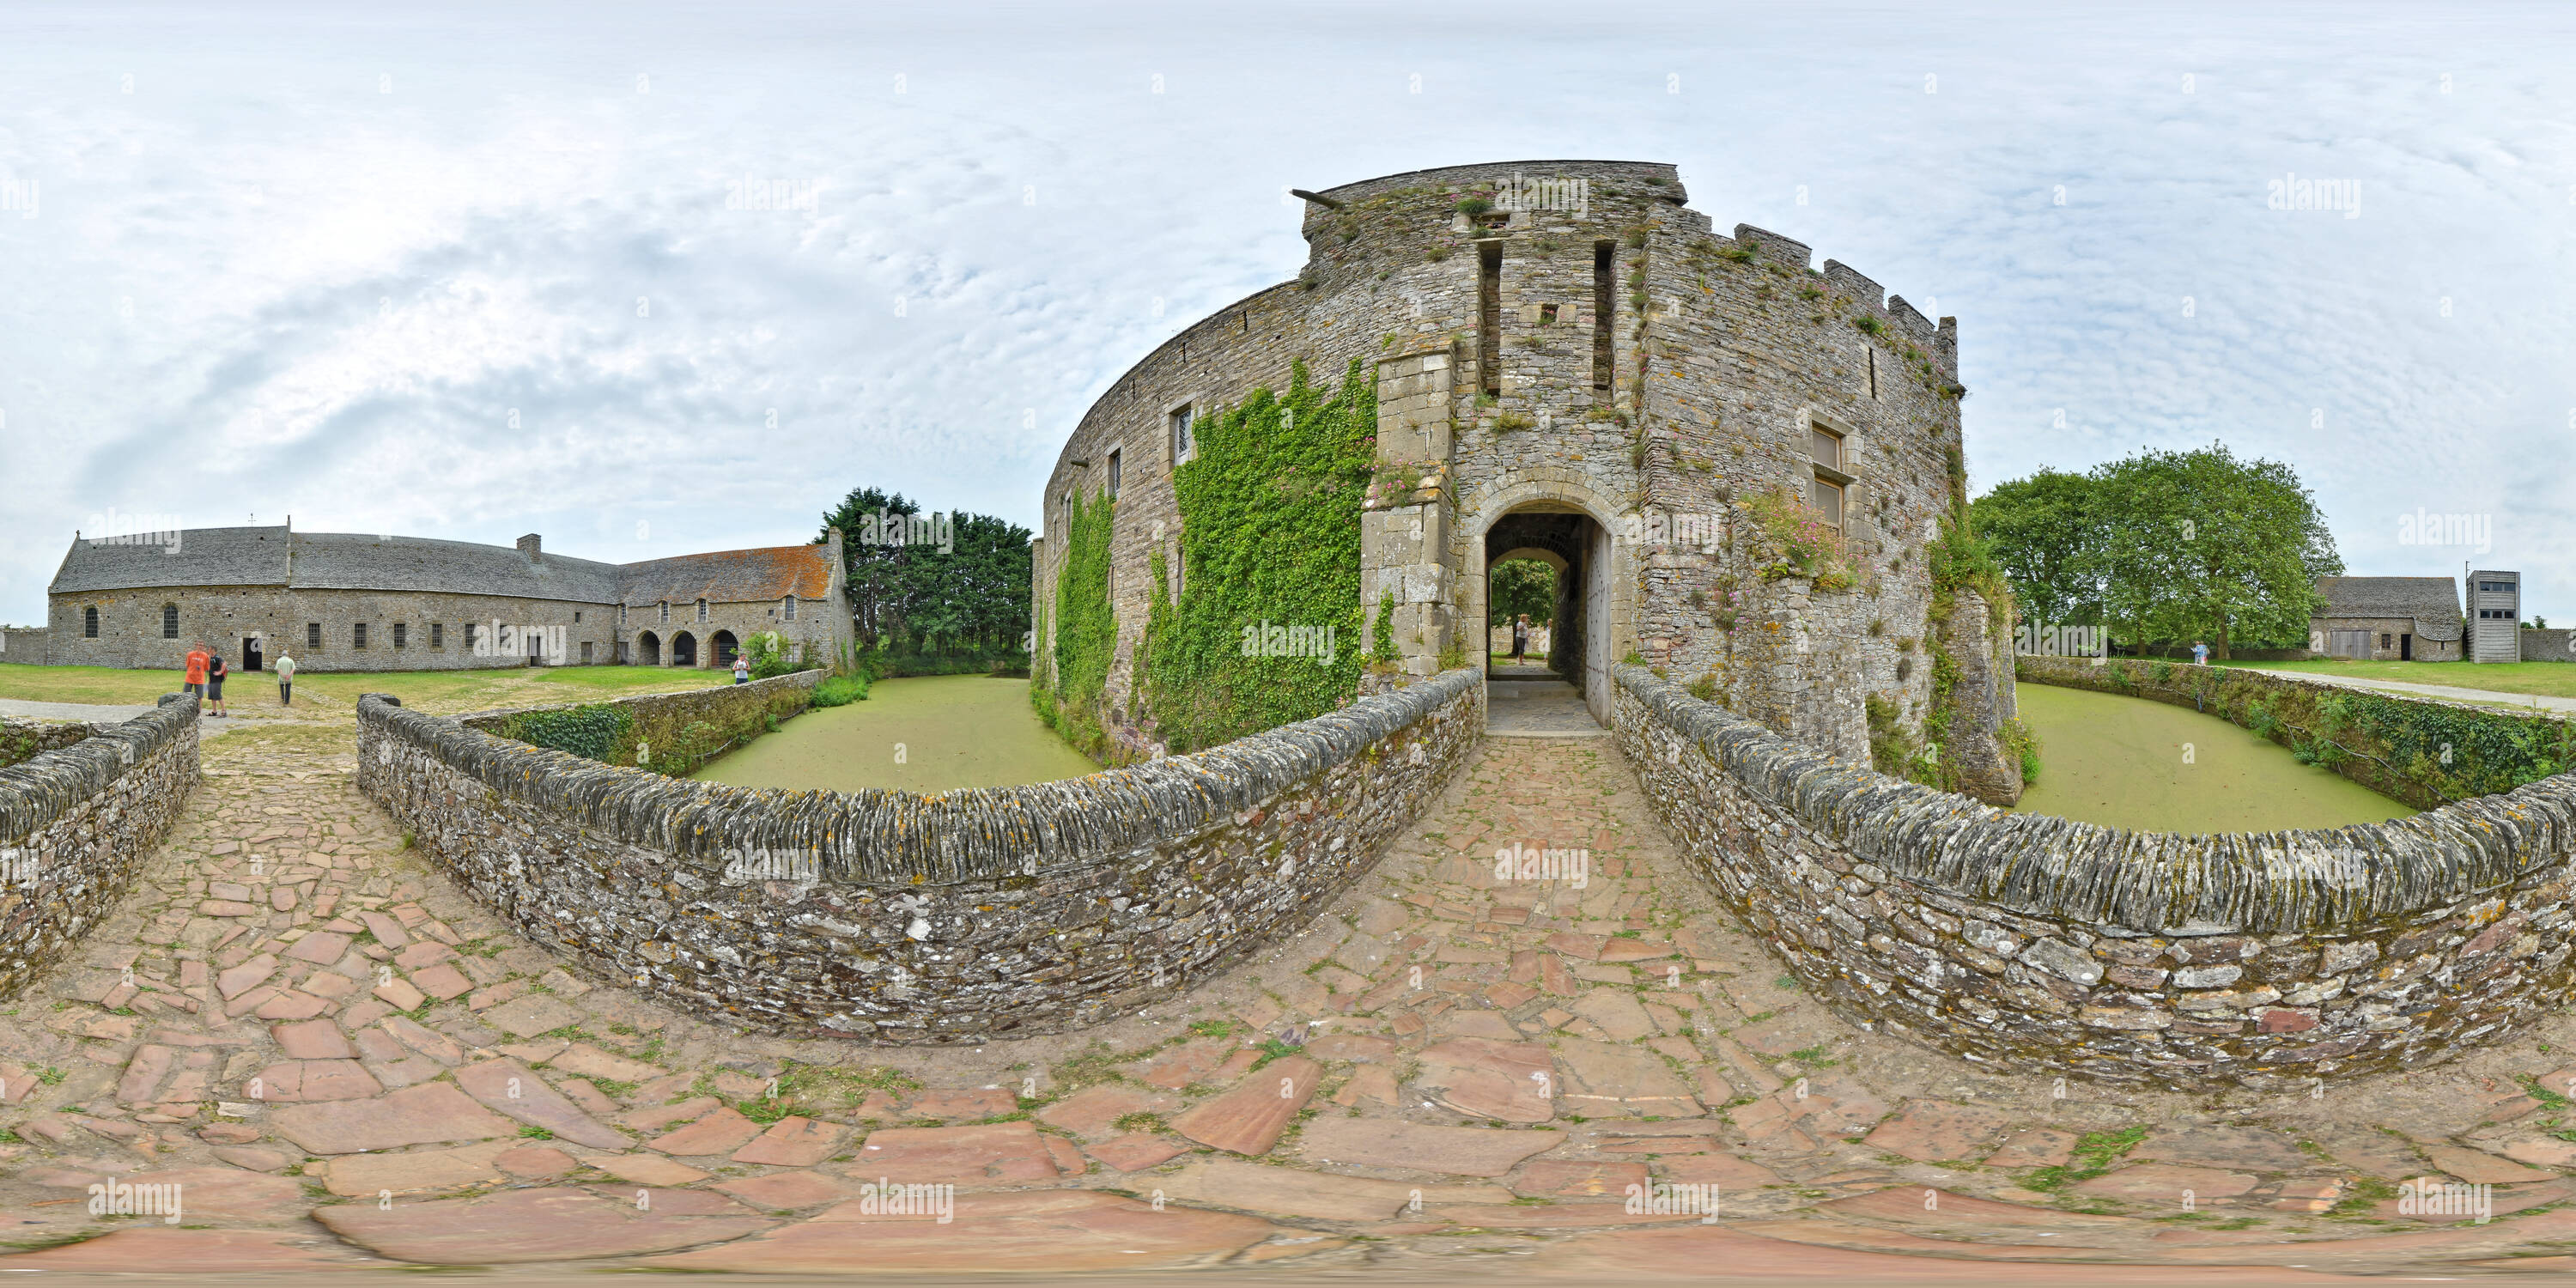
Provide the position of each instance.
(725, 647)
(684, 649)
(1552, 511)
(648, 649)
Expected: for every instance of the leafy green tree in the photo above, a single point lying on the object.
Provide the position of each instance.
(1523, 586)
(2199, 545)
(874, 570)
(916, 598)
(2046, 535)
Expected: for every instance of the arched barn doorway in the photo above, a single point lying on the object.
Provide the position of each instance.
(725, 648)
(684, 650)
(648, 649)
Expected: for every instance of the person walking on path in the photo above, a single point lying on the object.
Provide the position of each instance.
(1520, 636)
(742, 668)
(215, 672)
(193, 675)
(285, 680)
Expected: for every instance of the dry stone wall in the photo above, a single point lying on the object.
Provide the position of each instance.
(77, 822)
(959, 917)
(2042, 945)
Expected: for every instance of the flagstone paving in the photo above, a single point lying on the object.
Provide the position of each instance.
(344, 1063)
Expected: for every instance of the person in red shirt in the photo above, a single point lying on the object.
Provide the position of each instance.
(196, 674)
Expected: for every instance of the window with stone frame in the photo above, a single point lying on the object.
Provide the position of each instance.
(312, 635)
(666, 610)
(358, 635)
(787, 609)
(402, 634)
(1183, 448)
(1113, 473)
(702, 610)
(438, 634)
(89, 623)
(169, 621)
(1830, 480)
(469, 635)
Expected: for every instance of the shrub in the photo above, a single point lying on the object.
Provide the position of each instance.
(591, 731)
(840, 690)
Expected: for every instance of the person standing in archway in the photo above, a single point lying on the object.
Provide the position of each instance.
(1520, 636)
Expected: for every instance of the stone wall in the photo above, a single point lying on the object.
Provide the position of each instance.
(2554, 644)
(960, 917)
(2045, 946)
(26, 645)
(77, 822)
(22, 740)
(657, 724)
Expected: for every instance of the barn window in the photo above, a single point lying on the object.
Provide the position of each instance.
(787, 609)
(89, 623)
(702, 610)
(576, 617)
(169, 621)
(2383, 639)
(666, 610)
(313, 635)
(438, 634)
(469, 635)
(358, 635)
(402, 634)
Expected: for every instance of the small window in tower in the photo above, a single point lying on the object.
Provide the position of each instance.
(1547, 315)
(1825, 492)
(1604, 296)
(1113, 473)
(1182, 448)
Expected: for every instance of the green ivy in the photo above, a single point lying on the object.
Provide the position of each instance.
(1086, 635)
(592, 731)
(1270, 532)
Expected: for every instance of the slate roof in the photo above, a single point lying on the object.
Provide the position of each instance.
(2434, 602)
(205, 557)
(729, 576)
(366, 561)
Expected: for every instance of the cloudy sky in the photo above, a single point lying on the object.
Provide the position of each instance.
(491, 272)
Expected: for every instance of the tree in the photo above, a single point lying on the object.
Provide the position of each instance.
(2201, 545)
(873, 568)
(965, 589)
(1523, 586)
(2046, 536)
(2166, 545)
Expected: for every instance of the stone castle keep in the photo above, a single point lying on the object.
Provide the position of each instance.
(362, 602)
(1575, 367)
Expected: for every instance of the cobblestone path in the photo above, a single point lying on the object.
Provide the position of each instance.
(1462, 1068)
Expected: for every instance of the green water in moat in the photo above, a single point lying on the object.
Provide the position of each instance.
(931, 733)
(2122, 762)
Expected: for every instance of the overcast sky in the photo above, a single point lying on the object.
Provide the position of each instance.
(478, 274)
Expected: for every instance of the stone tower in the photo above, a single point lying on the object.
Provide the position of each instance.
(1740, 463)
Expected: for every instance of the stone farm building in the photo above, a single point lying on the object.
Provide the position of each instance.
(360, 602)
(2388, 619)
(1595, 377)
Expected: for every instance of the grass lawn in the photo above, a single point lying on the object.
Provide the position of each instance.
(2547, 679)
(254, 695)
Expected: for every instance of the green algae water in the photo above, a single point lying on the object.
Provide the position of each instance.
(953, 731)
(2120, 762)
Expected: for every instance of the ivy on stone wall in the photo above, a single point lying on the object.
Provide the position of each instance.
(1086, 630)
(1270, 559)
(593, 732)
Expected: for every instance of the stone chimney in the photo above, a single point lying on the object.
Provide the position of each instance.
(528, 546)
